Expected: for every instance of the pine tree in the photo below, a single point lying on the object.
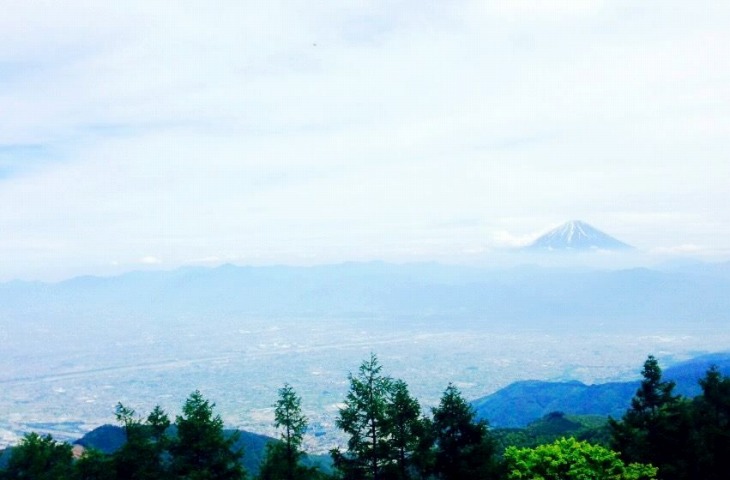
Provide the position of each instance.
(464, 447)
(202, 451)
(405, 428)
(712, 422)
(142, 457)
(281, 461)
(364, 419)
(423, 458)
(657, 429)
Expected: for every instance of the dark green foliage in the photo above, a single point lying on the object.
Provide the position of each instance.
(95, 465)
(388, 438)
(405, 429)
(39, 458)
(275, 466)
(364, 419)
(653, 393)
(464, 447)
(109, 439)
(201, 450)
(282, 459)
(423, 458)
(554, 426)
(657, 429)
(158, 424)
(253, 447)
(4, 457)
(143, 455)
(712, 424)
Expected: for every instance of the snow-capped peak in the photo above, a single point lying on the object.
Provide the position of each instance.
(577, 235)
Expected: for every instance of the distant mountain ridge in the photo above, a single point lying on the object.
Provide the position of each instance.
(523, 402)
(577, 235)
(528, 296)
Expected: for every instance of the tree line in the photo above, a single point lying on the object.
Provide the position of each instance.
(391, 437)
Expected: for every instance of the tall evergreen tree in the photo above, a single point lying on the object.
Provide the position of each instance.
(657, 429)
(423, 458)
(405, 428)
(464, 447)
(712, 424)
(143, 455)
(158, 423)
(202, 451)
(282, 458)
(364, 419)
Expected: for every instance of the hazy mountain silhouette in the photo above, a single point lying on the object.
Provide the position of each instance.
(577, 235)
(520, 403)
(557, 298)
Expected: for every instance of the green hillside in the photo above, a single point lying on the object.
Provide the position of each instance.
(520, 403)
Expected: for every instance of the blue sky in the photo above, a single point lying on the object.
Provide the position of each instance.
(156, 134)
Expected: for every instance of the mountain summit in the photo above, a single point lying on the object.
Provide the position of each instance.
(577, 235)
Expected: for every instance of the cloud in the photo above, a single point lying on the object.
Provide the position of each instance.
(198, 131)
(679, 250)
(505, 239)
(150, 260)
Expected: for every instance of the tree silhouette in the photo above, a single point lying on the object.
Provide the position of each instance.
(364, 419)
(281, 461)
(657, 429)
(202, 451)
(464, 447)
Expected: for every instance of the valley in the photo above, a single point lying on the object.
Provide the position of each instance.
(67, 381)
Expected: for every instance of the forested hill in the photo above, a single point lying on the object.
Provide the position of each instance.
(523, 402)
(110, 438)
(523, 296)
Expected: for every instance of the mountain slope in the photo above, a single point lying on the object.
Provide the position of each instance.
(109, 438)
(577, 235)
(522, 402)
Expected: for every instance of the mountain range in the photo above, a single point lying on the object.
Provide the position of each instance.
(523, 296)
(520, 403)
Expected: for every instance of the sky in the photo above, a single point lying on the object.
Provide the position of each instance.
(155, 134)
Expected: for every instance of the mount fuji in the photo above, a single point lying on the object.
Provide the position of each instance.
(577, 235)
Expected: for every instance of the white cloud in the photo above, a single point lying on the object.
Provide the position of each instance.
(679, 250)
(150, 260)
(201, 131)
(503, 238)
